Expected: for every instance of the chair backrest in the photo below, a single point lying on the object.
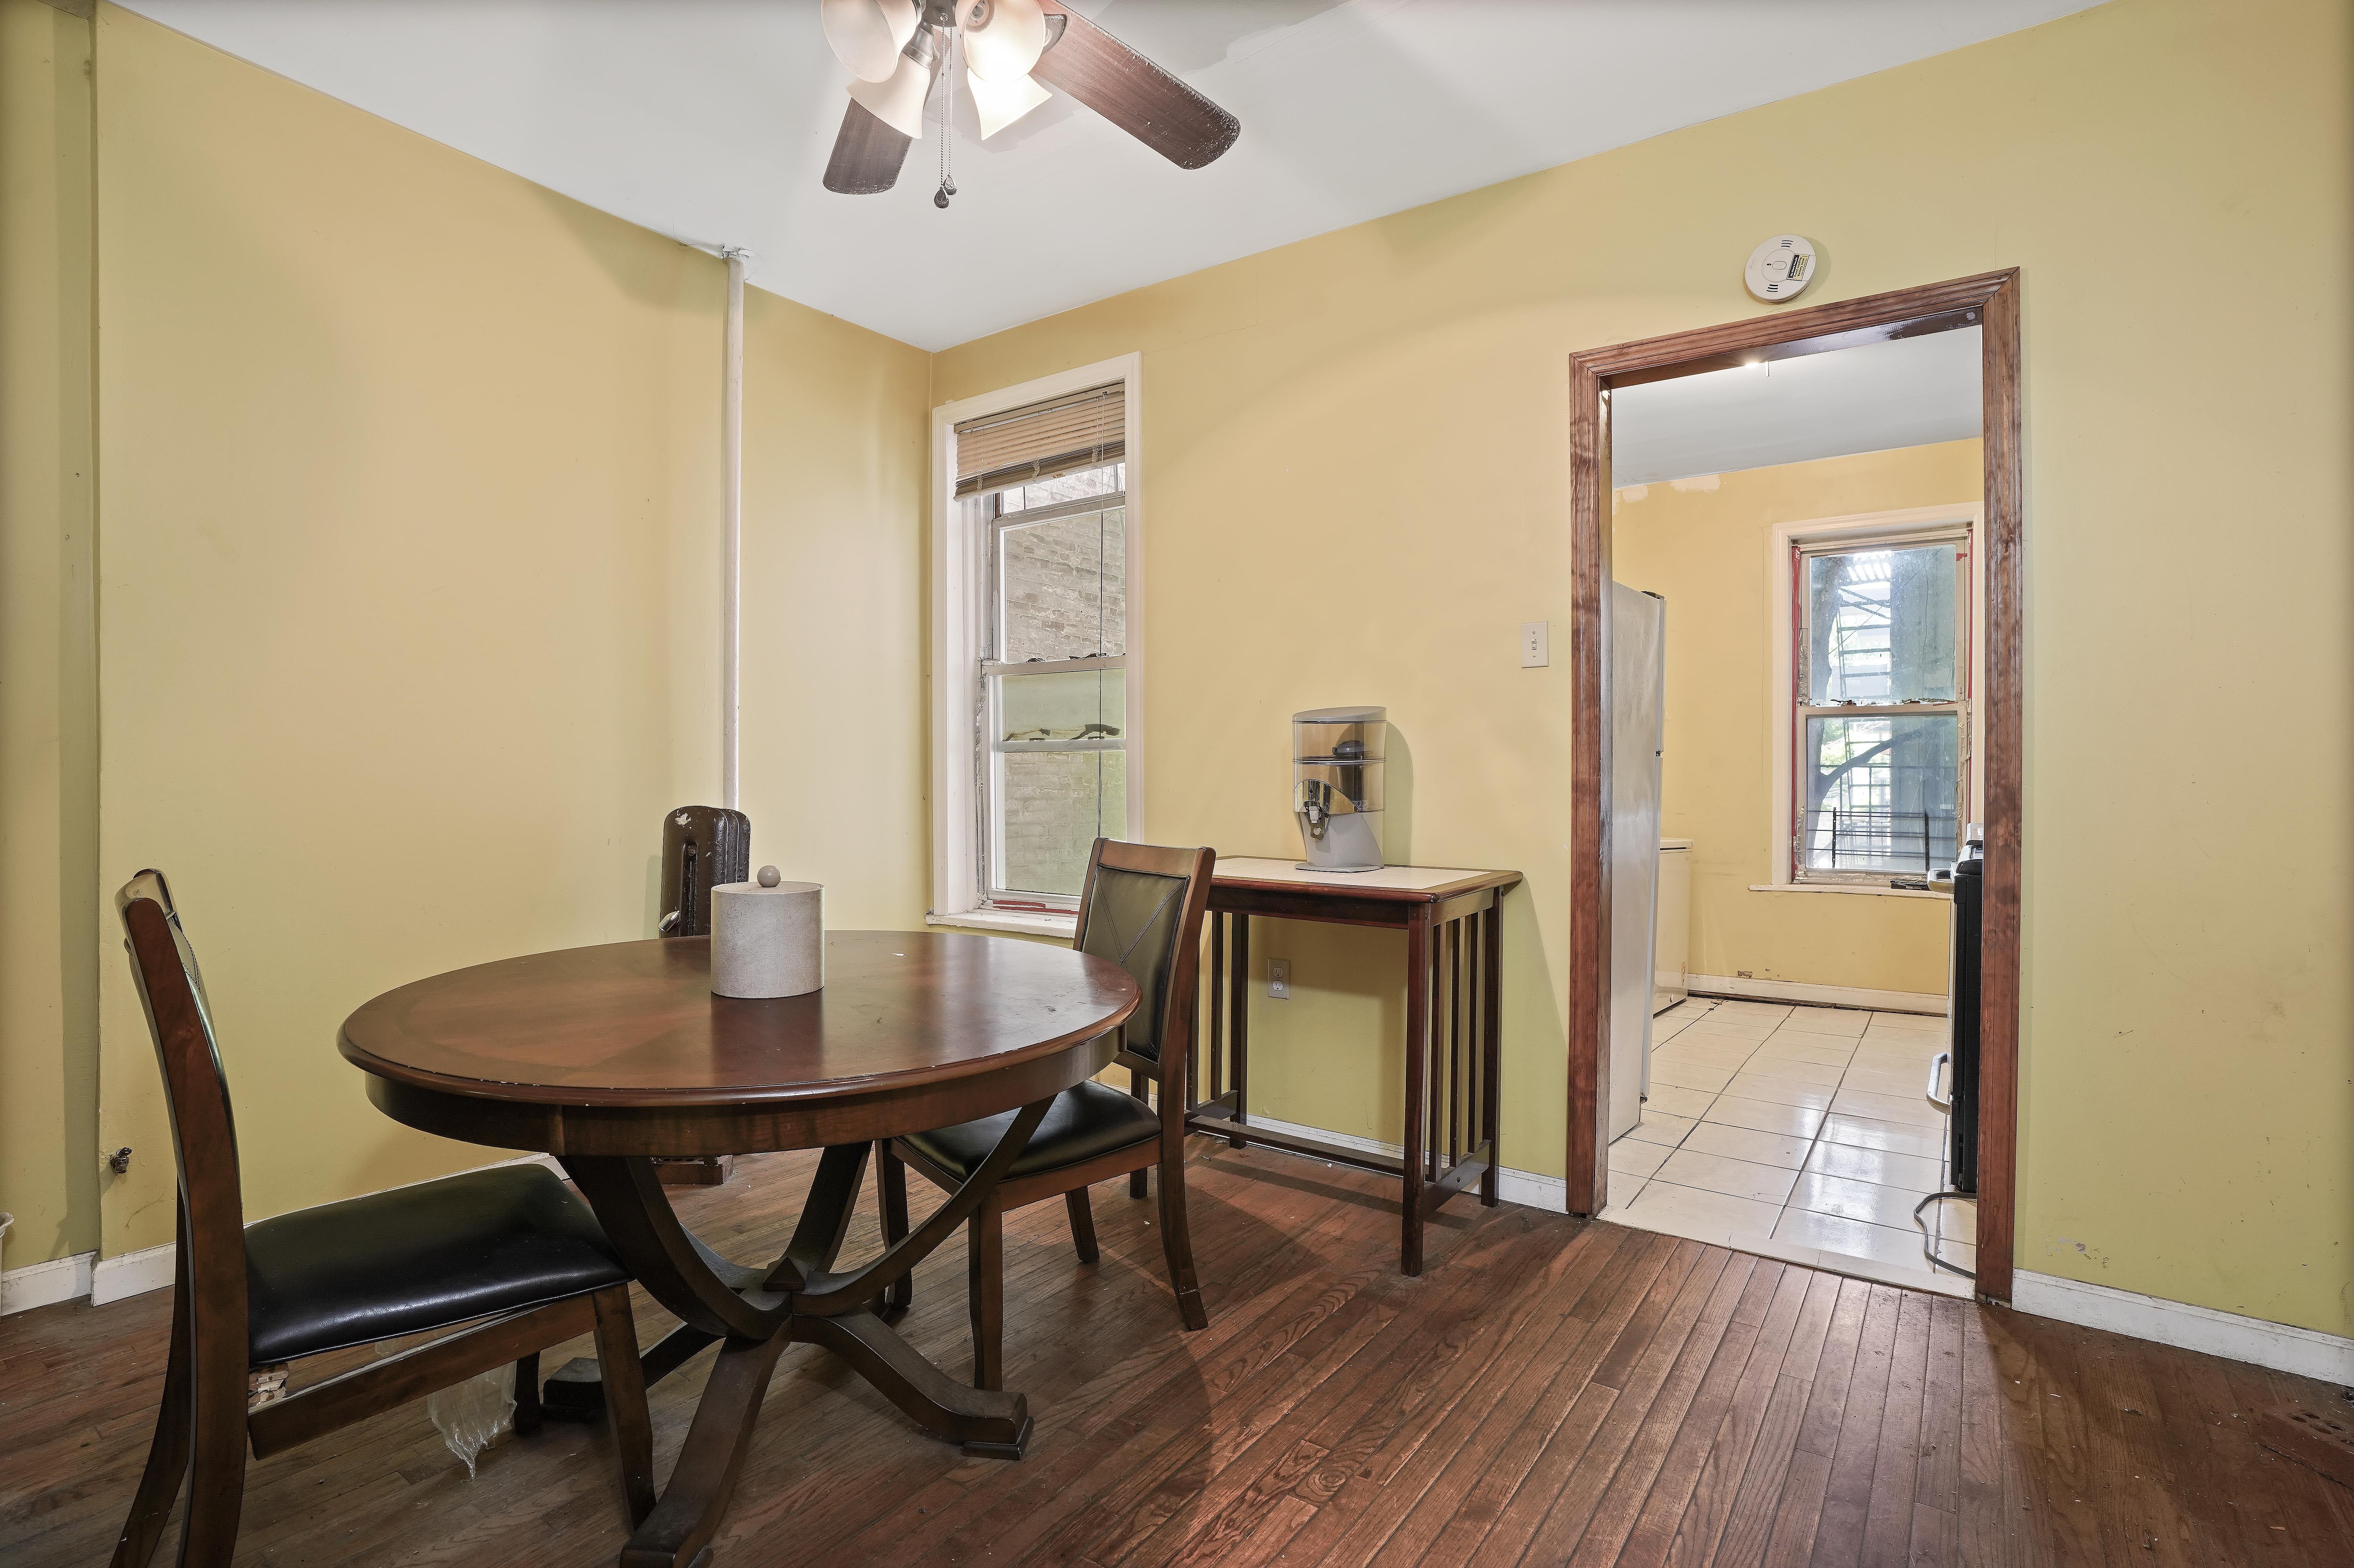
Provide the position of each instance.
(1141, 908)
(204, 1133)
(702, 847)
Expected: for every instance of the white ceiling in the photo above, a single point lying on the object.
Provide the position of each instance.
(1902, 394)
(711, 120)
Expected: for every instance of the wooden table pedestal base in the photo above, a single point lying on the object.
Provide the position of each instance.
(752, 1314)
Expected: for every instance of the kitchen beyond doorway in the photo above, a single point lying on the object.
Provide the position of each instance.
(1797, 1133)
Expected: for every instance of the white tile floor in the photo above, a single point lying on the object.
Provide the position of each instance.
(1801, 1132)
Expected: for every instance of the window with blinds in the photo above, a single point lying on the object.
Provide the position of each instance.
(1042, 440)
(1043, 490)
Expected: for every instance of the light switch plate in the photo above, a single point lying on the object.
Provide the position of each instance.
(1278, 978)
(1536, 640)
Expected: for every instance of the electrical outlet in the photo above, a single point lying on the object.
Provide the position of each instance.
(1536, 637)
(1278, 978)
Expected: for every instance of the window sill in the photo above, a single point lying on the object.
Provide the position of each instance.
(1023, 922)
(1850, 887)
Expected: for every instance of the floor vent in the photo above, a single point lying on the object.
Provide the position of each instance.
(2310, 1438)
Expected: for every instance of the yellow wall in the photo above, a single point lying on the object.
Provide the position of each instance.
(48, 994)
(406, 507)
(1356, 475)
(1706, 544)
(410, 510)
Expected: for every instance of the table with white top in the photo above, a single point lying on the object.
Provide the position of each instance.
(1453, 925)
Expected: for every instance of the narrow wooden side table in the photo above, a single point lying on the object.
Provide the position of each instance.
(1453, 925)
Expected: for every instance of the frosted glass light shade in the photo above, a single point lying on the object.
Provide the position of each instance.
(1008, 42)
(898, 102)
(867, 35)
(1000, 103)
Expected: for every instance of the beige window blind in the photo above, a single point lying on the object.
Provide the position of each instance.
(1082, 429)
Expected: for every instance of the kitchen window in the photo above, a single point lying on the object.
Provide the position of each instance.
(1035, 752)
(1880, 723)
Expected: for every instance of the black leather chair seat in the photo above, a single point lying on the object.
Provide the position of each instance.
(1085, 1120)
(418, 1259)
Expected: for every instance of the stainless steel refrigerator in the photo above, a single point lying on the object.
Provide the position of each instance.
(1638, 653)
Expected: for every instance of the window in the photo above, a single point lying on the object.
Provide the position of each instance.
(1051, 749)
(1880, 723)
(1035, 649)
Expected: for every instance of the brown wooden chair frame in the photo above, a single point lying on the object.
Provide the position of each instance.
(216, 1404)
(1166, 1150)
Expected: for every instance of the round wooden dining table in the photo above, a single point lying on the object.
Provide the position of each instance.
(608, 1057)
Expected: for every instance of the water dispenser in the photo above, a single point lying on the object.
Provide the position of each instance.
(1336, 785)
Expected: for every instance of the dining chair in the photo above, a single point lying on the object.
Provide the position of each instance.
(702, 847)
(510, 1252)
(1141, 908)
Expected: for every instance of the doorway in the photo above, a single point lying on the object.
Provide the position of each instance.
(1987, 307)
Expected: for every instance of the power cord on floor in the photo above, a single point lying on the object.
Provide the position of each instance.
(1928, 1246)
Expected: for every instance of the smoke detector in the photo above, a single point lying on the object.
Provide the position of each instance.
(1781, 267)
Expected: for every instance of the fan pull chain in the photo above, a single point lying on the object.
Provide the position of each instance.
(948, 113)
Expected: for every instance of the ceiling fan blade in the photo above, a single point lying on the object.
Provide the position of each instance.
(867, 155)
(1133, 93)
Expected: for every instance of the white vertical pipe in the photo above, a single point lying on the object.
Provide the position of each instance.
(731, 506)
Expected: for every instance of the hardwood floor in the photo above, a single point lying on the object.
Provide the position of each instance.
(1548, 1392)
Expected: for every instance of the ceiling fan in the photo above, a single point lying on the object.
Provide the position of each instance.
(1014, 50)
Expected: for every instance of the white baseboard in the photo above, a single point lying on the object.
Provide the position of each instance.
(2281, 1347)
(46, 1284)
(1821, 995)
(128, 1273)
(1526, 1188)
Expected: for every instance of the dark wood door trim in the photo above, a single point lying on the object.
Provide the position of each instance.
(1988, 301)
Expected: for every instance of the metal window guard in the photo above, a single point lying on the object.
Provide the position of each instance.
(1872, 839)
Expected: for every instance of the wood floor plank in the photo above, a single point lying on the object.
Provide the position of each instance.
(1142, 1499)
(1705, 1302)
(2153, 1471)
(1421, 1500)
(1938, 1478)
(1550, 1391)
(2062, 1461)
(1846, 1495)
(1689, 1532)
(1757, 1505)
(1746, 1465)
(1723, 1418)
(1888, 1522)
(1801, 1504)
(2287, 1505)
(1110, 1463)
(1567, 1410)
(1564, 1450)
(1827, 1406)
(2010, 1337)
(1372, 1476)
(1987, 1533)
(1076, 1433)
(1694, 1397)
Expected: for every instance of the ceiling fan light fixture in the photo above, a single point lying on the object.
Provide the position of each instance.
(1000, 103)
(899, 101)
(867, 35)
(1003, 39)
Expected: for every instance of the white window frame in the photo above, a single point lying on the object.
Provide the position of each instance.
(1870, 527)
(961, 622)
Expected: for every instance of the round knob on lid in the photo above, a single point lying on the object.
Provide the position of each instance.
(769, 876)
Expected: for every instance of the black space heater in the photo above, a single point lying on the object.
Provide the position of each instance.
(1962, 1122)
(703, 847)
